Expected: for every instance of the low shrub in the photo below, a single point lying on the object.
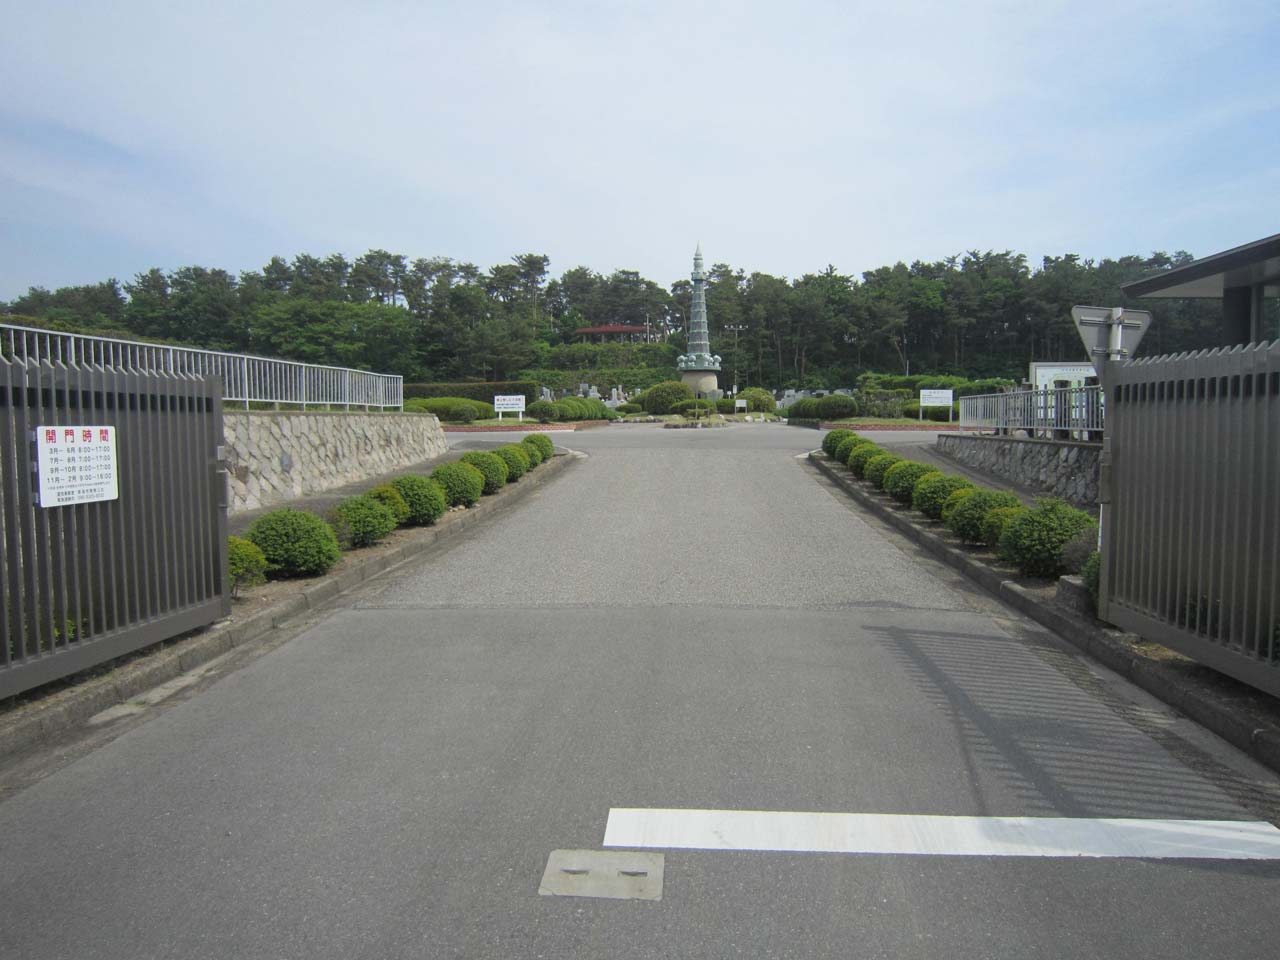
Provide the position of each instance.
(424, 497)
(246, 564)
(1092, 575)
(544, 411)
(1034, 541)
(833, 439)
(462, 483)
(543, 443)
(859, 456)
(878, 466)
(759, 400)
(390, 497)
(295, 543)
(659, 398)
(956, 498)
(452, 409)
(367, 519)
(492, 466)
(693, 408)
(484, 391)
(847, 446)
(629, 408)
(835, 406)
(517, 460)
(726, 405)
(900, 479)
(806, 408)
(932, 492)
(533, 451)
(993, 526)
(968, 516)
(1077, 551)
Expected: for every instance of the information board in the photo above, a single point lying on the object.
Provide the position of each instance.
(937, 398)
(1044, 375)
(509, 404)
(76, 465)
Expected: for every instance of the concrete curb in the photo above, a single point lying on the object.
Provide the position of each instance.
(28, 726)
(1236, 727)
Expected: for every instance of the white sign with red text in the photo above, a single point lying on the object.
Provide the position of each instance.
(76, 464)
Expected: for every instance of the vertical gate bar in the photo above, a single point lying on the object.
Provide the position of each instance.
(217, 505)
(1218, 456)
(11, 633)
(133, 443)
(180, 489)
(77, 518)
(53, 581)
(1142, 507)
(1230, 494)
(1180, 505)
(208, 475)
(30, 555)
(194, 496)
(1243, 617)
(152, 504)
(108, 559)
(163, 466)
(1270, 507)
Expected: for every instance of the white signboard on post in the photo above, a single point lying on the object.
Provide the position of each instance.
(76, 464)
(509, 403)
(1045, 375)
(937, 398)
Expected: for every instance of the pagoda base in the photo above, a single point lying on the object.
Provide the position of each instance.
(703, 383)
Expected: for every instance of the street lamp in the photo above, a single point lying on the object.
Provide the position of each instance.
(736, 328)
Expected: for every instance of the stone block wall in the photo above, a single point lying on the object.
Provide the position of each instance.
(277, 456)
(1066, 469)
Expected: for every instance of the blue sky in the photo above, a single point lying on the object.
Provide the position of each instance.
(782, 136)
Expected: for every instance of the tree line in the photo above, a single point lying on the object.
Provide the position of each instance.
(977, 314)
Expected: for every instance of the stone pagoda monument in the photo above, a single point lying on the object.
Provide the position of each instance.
(698, 367)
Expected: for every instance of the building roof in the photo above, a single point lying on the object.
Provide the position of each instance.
(610, 328)
(1246, 266)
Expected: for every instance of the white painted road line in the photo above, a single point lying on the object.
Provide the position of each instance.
(941, 836)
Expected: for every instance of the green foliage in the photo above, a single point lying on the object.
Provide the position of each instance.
(953, 501)
(878, 466)
(932, 491)
(295, 543)
(661, 397)
(1034, 540)
(1092, 575)
(967, 518)
(424, 497)
(859, 457)
(758, 400)
(993, 526)
(492, 466)
(1077, 550)
(543, 443)
(847, 446)
(368, 520)
(833, 438)
(462, 483)
(900, 479)
(534, 453)
(726, 405)
(246, 564)
(629, 408)
(452, 409)
(693, 408)
(835, 406)
(911, 410)
(484, 392)
(544, 411)
(516, 457)
(806, 408)
(389, 496)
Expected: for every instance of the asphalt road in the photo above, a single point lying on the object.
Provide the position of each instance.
(685, 619)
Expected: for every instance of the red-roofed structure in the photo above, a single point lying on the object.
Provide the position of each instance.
(618, 332)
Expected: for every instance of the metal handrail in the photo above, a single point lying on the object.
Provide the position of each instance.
(1058, 412)
(245, 378)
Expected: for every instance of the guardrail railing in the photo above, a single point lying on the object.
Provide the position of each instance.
(1074, 413)
(245, 379)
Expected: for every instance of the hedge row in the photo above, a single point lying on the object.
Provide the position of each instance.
(570, 408)
(296, 543)
(452, 409)
(482, 391)
(1041, 541)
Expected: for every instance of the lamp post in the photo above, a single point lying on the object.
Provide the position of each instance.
(736, 328)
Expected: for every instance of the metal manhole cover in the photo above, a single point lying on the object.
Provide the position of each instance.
(615, 874)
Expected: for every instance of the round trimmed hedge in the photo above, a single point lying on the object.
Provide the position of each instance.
(246, 564)
(661, 396)
(933, 490)
(831, 442)
(389, 496)
(1034, 540)
(544, 411)
(516, 459)
(462, 483)
(533, 451)
(878, 466)
(628, 408)
(425, 498)
(543, 443)
(900, 480)
(492, 466)
(835, 406)
(296, 543)
(993, 526)
(968, 516)
(367, 520)
(957, 497)
(859, 456)
(759, 400)
(847, 446)
(695, 407)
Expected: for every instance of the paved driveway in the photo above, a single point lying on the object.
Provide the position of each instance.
(685, 621)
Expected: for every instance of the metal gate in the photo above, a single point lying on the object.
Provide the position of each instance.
(1191, 531)
(88, 582)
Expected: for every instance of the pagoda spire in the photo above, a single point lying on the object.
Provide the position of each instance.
(699, 366)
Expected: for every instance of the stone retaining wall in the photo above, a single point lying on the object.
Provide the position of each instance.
(273, 457)
(1065, 469)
